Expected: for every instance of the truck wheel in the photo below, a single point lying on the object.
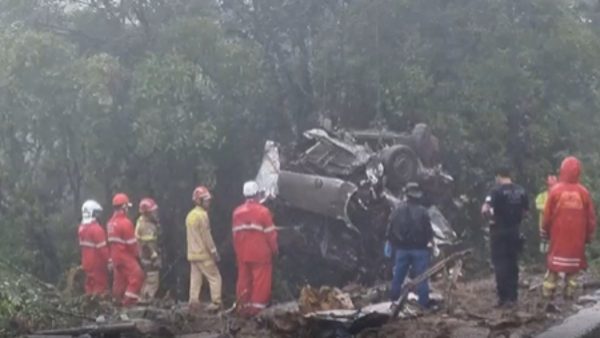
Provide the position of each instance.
(401, 166)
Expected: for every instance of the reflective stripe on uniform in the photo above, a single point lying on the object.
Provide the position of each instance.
(257, 305)
(252, 227)
(88, 244)
(567, 262)
(148, 238)
(270, 229)
(121, 241)
(132, 295)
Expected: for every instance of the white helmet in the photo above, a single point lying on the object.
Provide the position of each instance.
(89, 211)
(250, 189)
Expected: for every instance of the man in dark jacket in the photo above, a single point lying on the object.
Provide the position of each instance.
(410, 233)
(507, 204)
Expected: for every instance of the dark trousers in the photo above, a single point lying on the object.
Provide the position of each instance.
(505, 249)
(418, 262)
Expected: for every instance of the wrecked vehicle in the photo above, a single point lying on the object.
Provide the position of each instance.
(356, 178)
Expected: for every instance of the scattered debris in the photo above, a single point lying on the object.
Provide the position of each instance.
(323, 299)
(326, 312)
(97, 329)
(473, 316)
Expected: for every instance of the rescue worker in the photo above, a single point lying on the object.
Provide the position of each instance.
(540, 204)
(569, 223)
(410, 232)
(202, 252)
(94, 249)
(146, 233)
(128, 276)
(255, 244)
(507, 204)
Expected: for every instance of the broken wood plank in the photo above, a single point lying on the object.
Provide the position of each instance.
(94, 328)
(398, 305)
(451, 281)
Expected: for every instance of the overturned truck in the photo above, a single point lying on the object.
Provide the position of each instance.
(333, 197)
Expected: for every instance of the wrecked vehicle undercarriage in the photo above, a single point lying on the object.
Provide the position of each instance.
(337, 191)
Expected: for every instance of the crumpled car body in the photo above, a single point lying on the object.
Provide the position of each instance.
(347, 190)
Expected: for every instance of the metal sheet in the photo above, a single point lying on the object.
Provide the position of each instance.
(318, 194)
(268, 174)
(334, 156)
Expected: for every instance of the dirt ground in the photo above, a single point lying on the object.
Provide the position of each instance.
(466, 312)
(470, 312)
(473, 315)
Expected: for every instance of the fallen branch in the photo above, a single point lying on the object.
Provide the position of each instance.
(478, 316)
(71, 314)
(398, 305)
(91, 329)
(28, 276)
(451, 280)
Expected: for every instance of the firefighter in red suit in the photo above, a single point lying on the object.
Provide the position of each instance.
(569, 223)
(94, 249)
(255, 244)
(128, 276)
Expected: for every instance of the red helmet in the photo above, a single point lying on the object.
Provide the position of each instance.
(551, 181)
(120, 199)
(201, 192)
(148, 205)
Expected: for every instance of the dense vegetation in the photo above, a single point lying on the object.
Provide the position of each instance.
(153, 97)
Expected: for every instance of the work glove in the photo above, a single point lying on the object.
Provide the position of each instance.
(387, 249)
(435, 251)
(543, 246)
(216, 256)
(154, 260)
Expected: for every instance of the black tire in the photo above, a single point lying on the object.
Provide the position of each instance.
(401, 166)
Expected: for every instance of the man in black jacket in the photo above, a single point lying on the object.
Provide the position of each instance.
(507, 204)
(409, 233)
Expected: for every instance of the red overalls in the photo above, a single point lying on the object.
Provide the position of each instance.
(128, 276)
(255, 243)
(94, 258)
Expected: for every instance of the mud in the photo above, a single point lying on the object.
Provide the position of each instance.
(474, 315)
(470, 314)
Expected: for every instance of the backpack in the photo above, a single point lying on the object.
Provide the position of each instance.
(410, 227)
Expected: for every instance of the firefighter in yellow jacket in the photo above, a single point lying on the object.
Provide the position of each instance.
(202, 252)
(146, 233)
(540, 204)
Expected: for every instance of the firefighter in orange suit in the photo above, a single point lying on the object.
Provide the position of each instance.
(94, 249)
(128, 276)
(255, 244)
